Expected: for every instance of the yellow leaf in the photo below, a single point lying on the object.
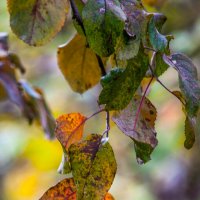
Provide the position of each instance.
(78, 64)
(69, 128)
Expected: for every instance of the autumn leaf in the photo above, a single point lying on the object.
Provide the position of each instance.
(78, 64)
(109, 197)
(139, 126)
(120, 85)
(69, 128)
(36, 22)
(93, 167)
(63, 190)
(104, 22)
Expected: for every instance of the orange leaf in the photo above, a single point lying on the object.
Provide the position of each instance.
(109, 197)
(65, 189)
(69, 128)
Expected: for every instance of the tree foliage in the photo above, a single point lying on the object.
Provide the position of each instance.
(119, 33)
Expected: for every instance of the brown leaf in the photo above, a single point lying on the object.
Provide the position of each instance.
(69, 128)
(64, 190)
(78, 64)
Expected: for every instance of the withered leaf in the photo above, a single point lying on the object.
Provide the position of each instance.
(139, 126)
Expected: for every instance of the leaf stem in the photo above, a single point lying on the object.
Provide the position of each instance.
(159, 81)
(141, 102)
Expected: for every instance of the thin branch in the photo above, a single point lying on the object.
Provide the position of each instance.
(159, 81)
(76, 15)
(107, 125)
(149, 48)
(101, 65)
(141, 102)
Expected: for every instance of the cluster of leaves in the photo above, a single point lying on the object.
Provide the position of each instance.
(30, 100)
(123, 34)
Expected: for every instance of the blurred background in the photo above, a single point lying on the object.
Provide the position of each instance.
(29, 162)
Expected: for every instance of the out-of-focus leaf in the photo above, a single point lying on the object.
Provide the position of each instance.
(104, 22)
(188, 81)
(190, 124)
(78, 64)
(36, 103)
(69, 129)
(64, 190)
(9, 82)
(93, 167)
(14, 59)
(139, 126)
(120, 85)
(37, 21)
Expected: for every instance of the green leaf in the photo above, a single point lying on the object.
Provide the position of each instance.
(93, 167)
(78, 64)
(139, 126)
(120, 85)
(190, 124)
(188, 81)
(104, 22)
(37, 21)
(158, 41)
(160, 65)
(64, 167)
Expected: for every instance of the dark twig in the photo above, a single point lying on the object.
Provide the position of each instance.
(79, 20)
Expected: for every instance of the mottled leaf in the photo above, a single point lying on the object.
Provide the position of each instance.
(104, 22)
(139, 126)
(78, 64)
(69, 129)
(188, 81)
(120, 85)
(190, 124)
(93, 167)
(37, 21)
(137, 19)
(64, 190)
